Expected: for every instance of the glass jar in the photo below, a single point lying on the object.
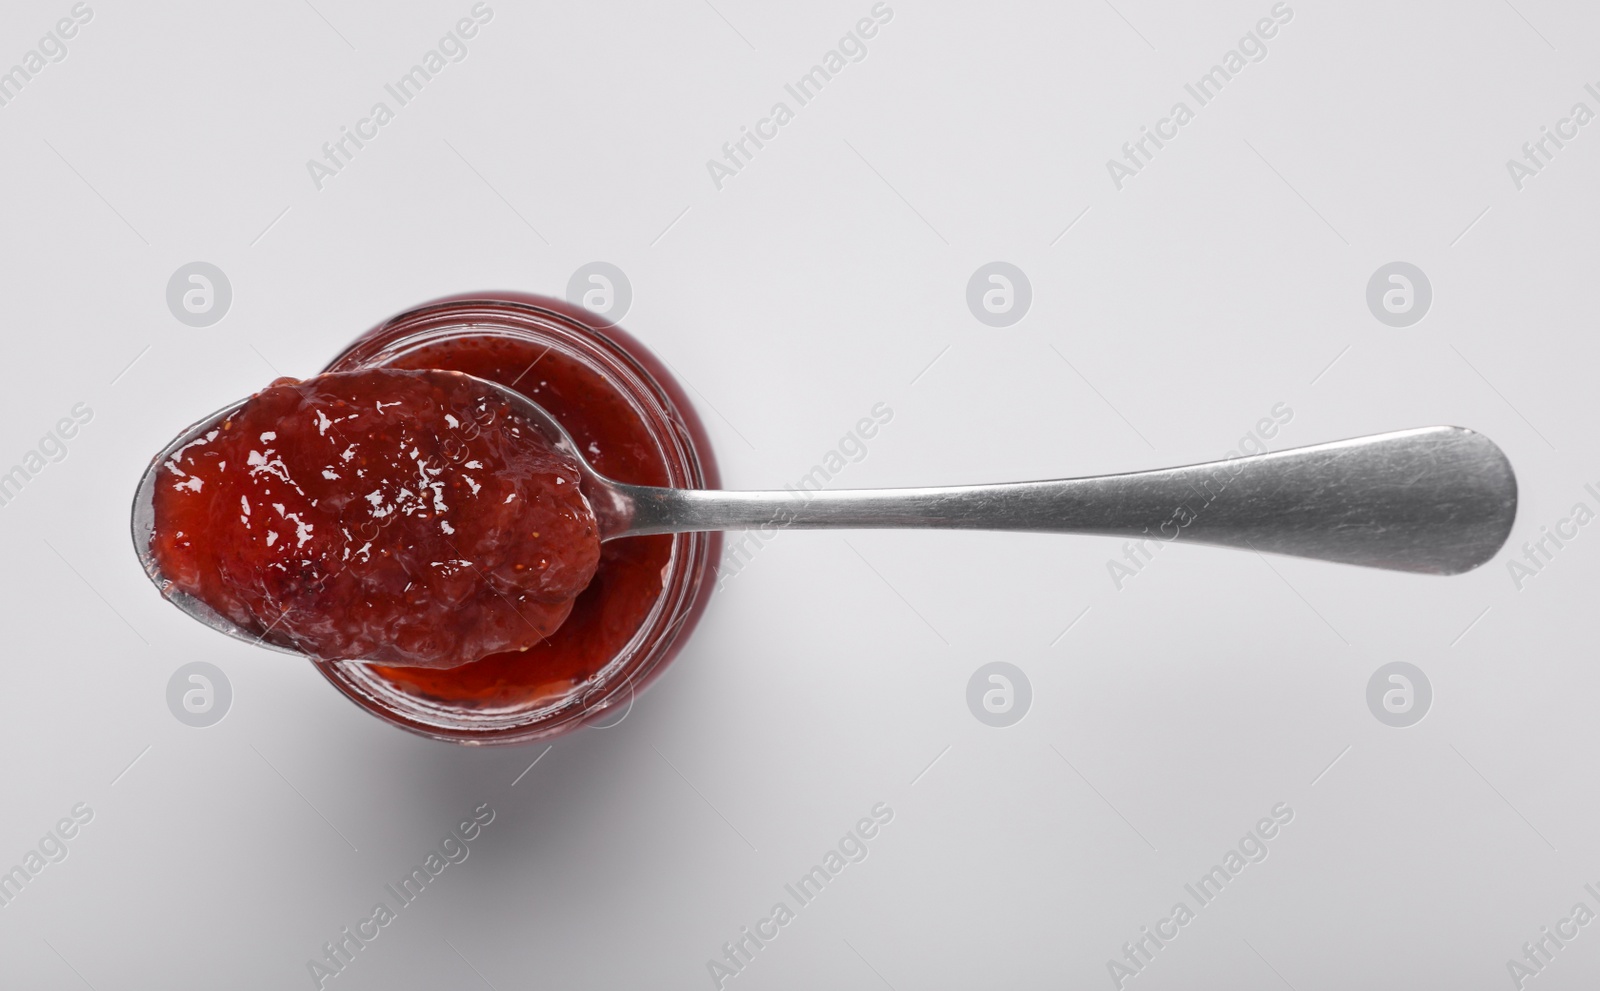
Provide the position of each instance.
(634, 423)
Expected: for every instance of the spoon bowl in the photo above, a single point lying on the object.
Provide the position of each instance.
(609, 506)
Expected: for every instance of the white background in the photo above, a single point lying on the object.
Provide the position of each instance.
(830, 674)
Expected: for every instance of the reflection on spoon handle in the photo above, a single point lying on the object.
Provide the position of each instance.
(1437, 500)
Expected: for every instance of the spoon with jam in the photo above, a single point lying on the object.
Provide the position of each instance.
(429, 518)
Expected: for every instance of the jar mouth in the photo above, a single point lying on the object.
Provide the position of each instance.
(660, 405)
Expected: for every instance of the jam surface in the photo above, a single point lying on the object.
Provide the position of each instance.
(626, 585)
(403, 517)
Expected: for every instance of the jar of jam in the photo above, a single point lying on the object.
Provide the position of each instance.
(633, 422)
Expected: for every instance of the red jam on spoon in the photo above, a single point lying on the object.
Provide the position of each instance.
(404, 517)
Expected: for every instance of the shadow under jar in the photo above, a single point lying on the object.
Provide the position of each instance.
(634, 423)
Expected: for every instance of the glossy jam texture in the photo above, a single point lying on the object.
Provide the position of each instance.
(400, 517)
(613, 437)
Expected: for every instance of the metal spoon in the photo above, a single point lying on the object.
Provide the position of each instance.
(1434, 500)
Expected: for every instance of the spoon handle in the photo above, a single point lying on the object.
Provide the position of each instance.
(1437, 500)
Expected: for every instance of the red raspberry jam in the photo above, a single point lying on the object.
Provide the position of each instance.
(398, 517)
